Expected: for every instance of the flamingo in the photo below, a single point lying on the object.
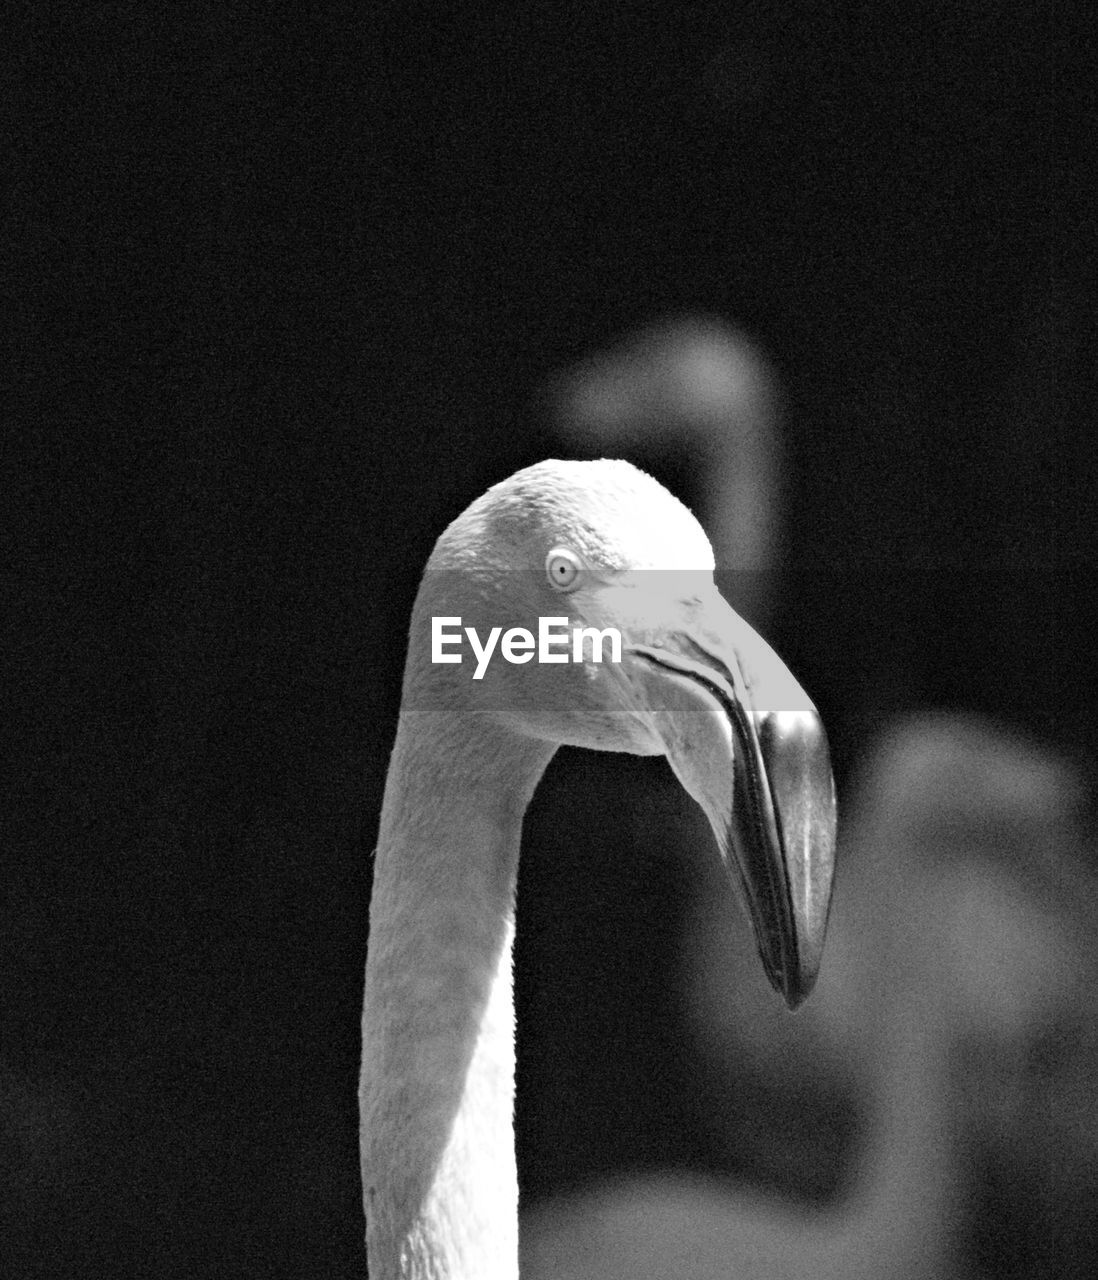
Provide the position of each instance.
(605, 545)
(954, 939)
(700, 391)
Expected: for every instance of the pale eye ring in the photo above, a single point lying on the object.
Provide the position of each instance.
(562, 568)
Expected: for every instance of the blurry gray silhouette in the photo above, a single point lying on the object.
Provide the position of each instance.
(698, 394)
(963, 942)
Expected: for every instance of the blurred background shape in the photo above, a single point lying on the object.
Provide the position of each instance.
(963, 950)
(696, 399)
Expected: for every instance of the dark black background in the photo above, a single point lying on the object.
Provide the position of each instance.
(284, 283)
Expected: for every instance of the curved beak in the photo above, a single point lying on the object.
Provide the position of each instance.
(747, 743)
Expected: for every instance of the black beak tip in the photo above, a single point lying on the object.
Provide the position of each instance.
(797, 990)
(798, 769)
(792, 981)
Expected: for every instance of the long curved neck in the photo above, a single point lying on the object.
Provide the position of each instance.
(437, 1086)
(903, 1209)
(902, 1213)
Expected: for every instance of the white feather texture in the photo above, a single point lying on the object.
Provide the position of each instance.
(437, 1093)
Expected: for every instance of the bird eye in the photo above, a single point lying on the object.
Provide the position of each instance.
(562, 568)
